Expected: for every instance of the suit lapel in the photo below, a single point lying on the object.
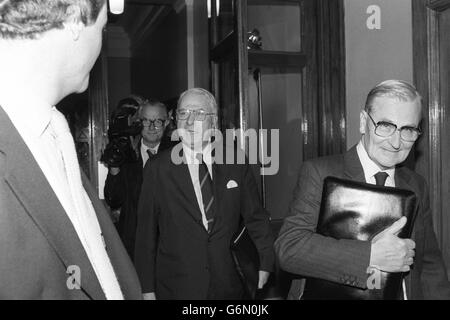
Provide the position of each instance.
(27, 181)
(353, 169)
(402, 181)
(182, 182)
(122, 265)
(219, 173)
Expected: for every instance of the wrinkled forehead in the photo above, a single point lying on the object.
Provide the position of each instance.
(152, 110)
(194, 101)
(394, 108)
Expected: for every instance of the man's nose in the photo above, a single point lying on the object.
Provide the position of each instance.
(149, 126)
(395, 140)
(191, 118)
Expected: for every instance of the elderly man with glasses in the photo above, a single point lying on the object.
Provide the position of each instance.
(189, 212)
(123, 184)
(389, 126)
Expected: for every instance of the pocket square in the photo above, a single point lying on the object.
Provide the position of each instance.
(232, 184)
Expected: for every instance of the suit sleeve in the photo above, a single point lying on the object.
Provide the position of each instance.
(434, 279)
(115, 189)
(257, 221)
(302, 251)
(146, 233)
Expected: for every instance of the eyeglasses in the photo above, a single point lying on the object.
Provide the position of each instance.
(386, 129)
(157, 123)
(199, 115)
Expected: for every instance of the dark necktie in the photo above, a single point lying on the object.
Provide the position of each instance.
(380, 178)
(206, 185)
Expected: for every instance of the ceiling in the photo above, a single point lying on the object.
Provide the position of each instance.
(138, 15)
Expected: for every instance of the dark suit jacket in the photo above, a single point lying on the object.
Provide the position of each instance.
(175, 256)
(37, 240)
(122, 191)
(304, 252)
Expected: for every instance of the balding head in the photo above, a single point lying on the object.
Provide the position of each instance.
(202, 95)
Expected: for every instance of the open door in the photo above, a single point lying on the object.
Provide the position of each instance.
(278, 65)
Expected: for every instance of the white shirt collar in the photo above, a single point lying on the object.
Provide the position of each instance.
(32, 117)
(190, 155)
(370, 168)
(144, 148)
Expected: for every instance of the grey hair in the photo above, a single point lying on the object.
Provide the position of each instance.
(396, 89)
(210, 100)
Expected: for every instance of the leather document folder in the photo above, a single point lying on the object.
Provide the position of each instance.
(359, 211)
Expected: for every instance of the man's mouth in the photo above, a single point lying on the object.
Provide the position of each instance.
(392, 151)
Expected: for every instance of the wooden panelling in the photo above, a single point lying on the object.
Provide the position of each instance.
(276, 59)
(431, 21)
(331, 70)
(310, 117)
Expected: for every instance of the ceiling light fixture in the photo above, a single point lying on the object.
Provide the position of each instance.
(209, 8)
(116, 6)
(217, 8)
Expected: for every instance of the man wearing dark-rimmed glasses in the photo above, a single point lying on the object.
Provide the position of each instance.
(123, 183)
(386, 129)
(389, 127)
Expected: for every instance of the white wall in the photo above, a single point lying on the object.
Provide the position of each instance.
(374, 55)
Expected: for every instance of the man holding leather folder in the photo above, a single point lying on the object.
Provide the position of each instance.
(389, 125)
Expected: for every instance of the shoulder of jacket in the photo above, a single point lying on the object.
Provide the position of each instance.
(329, 163)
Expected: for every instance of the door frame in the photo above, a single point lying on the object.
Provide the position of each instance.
(426, 60)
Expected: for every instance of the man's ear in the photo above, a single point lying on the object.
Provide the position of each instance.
(73, 22)
(216, 122)
(362, 121)
(169, 118)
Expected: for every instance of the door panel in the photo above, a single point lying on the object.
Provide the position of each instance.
(282, 111)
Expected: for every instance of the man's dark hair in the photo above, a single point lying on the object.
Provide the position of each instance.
(25, 19)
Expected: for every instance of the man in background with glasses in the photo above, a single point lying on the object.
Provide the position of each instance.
(189, 213)
(389, 126)
(123, 184)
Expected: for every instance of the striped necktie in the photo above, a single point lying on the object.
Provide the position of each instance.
(206, 186)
